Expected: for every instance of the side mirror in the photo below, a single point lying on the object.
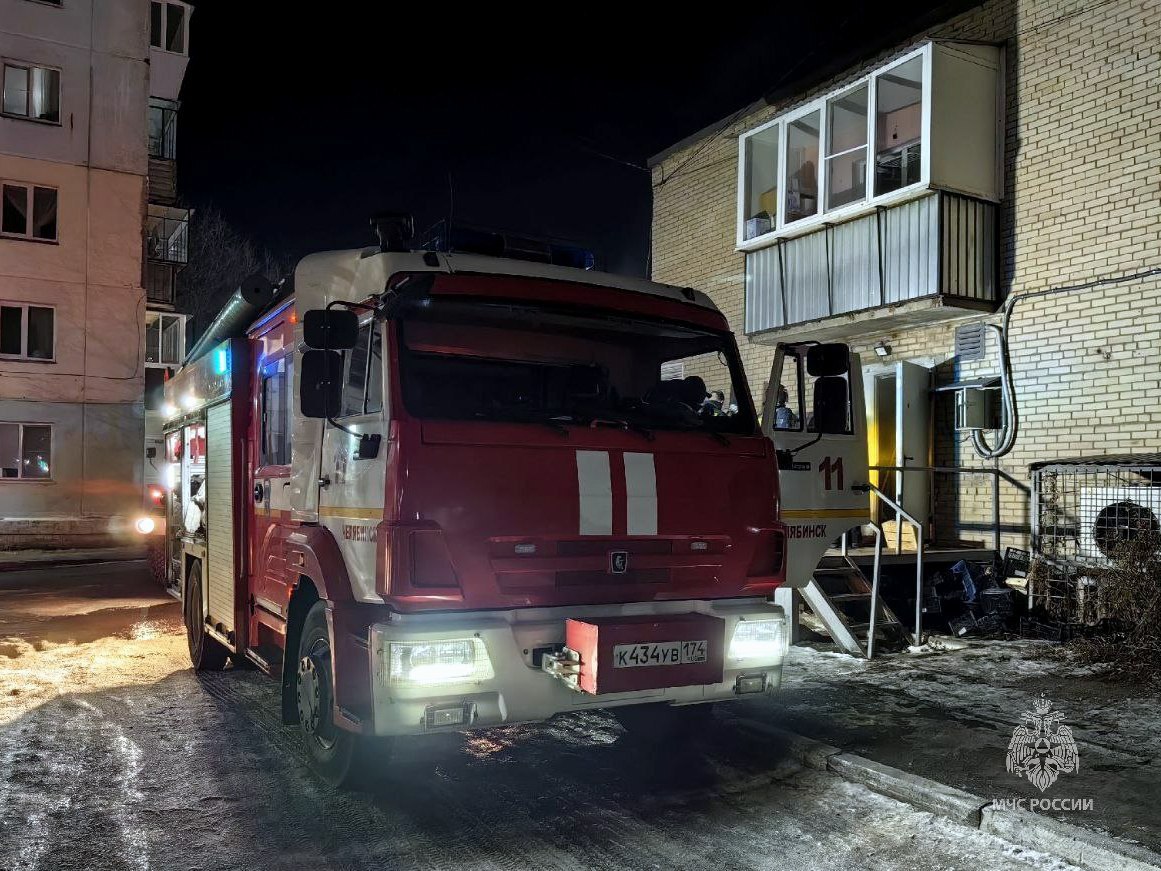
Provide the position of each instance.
(826, 360)
(330, 329)
(320, 387)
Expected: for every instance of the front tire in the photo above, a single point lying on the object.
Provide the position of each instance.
(340, 757)
(205, 652)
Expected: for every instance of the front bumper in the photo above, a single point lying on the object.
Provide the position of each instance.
(518, 688)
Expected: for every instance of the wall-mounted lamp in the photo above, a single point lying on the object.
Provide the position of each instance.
(882, 349)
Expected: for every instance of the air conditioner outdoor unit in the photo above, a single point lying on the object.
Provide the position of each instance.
(1110, 515)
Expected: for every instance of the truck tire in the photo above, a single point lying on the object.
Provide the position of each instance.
(664, 723)
(205, 652)
(340, 757)
(155, 556)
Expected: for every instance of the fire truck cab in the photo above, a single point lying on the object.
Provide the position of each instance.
(432, 492)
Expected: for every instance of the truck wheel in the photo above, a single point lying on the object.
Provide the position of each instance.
(206, 653)
(340, 757)
(663, 723)
(155, 556)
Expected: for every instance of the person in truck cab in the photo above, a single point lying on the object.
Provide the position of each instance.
(784, 417)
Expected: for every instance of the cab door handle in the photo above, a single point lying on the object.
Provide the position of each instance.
(259, 492)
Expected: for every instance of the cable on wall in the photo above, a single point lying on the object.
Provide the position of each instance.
(1009, 412)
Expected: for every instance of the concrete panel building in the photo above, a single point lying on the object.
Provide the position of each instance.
(74, 162)
(897, 205)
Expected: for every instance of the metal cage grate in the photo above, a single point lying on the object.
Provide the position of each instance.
(1082, 513)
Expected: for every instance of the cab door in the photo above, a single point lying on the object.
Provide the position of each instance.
(815, 415)
(354, 457)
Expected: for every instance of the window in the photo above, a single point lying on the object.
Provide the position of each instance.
(275, 398)
(164, 339)
(28, 211)
(557, 368)
(788, 400)
(31, 92)
(363, 374)
(26, 331)
(898, 126)
(761, 195)
(846, 151)
(840, 151)
(806, 401)
(167, 26)
(25, 451)
(162, 129)
(802, 137)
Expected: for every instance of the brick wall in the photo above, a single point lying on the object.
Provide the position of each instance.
(1082, 201)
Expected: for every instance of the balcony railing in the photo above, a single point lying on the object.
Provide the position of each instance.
(929, 259)
(167, 234)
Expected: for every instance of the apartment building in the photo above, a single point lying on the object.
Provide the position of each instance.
(78, 78)
(897, 205)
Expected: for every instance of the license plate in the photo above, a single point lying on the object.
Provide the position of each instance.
(659, 653)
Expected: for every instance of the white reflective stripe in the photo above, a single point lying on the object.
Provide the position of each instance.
(595, 487)
(641, 494)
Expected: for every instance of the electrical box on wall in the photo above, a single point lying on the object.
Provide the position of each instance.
(975, 408)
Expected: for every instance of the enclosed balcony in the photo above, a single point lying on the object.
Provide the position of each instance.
(874, 206)
(925, 260)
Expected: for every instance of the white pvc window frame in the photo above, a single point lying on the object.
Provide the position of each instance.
(23, 357)
(30, 189)
(161, 318)
(164, 31)
(21, 478)
(29, 68)
(822, 216)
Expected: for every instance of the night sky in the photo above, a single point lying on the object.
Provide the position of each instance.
(299, 121)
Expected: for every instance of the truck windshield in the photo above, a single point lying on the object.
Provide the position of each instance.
(465, 359)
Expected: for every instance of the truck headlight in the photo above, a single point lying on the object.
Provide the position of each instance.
(760, 642)
(437, 663)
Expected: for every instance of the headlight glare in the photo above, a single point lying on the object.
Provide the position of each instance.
(438, 663)
(758, 641)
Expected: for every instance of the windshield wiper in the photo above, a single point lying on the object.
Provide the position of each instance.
(556, 424)
(623, 424)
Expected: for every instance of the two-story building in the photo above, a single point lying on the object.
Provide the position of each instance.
(895, 206)
(76, 78)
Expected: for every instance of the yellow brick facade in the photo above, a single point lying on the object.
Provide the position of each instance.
(1082, 201)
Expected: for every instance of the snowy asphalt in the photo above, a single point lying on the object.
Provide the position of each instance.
(113, 754)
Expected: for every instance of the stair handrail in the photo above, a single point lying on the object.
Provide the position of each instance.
(874, 589)
(901, 512)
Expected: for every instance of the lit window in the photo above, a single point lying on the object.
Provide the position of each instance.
(32, 92)
(898, 126)
(846, 152)
(27, 331)
(25, 451)
(802, 137)
(761, 194)
(167, 27)
(29, 211)
(840, 152)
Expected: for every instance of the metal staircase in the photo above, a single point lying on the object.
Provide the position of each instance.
(847, 607)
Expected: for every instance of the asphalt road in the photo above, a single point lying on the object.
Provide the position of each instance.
(114, 754)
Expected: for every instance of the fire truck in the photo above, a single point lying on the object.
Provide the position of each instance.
(429, 491)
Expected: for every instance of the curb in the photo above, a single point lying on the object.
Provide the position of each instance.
(51, 561)
(1075, 844)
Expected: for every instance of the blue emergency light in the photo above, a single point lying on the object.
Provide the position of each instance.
(222, 361)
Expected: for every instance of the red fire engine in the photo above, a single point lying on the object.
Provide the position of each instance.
(434, 491)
